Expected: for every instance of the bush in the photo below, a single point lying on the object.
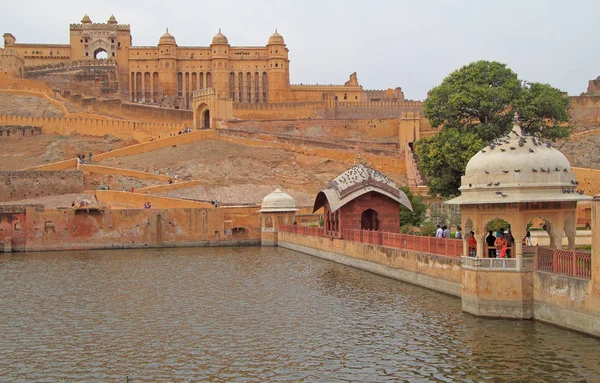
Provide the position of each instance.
(428, 229)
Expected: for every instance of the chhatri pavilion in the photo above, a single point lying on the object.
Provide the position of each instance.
(519, 178)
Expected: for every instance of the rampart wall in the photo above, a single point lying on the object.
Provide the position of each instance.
(137, 112)
(585, 110)
(18, 185)
(360, 129)
(292, 110)
(141, 131)
(16, 133)
(382, 109)
(125, 199)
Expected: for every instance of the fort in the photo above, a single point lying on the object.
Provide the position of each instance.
(194, 140)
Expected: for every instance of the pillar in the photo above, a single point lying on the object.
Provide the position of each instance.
(260, 88)
(183, 90)
(131, 86)
(152, 88)
(143, 87)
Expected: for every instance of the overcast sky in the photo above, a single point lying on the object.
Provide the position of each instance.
(389, 43)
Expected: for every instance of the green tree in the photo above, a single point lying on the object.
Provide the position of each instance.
(417, 216)
(443, 157)
(474, 106)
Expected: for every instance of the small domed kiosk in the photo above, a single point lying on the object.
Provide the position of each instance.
(277, 208)
(519, 179)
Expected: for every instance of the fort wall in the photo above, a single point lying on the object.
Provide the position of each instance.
(372, 109)
(360, 129)
(585, 110)
(17, 185)
(141, 131)
(272, 111)
(125, 199)
(16, 133)
(137, 112)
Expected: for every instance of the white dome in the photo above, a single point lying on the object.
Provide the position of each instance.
(277, 201)
(518, 168)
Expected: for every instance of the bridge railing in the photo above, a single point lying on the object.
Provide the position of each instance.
(440, 246)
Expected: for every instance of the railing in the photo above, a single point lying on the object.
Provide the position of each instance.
(498, 264)
(566, 262)
(304, 230)
(439, 246)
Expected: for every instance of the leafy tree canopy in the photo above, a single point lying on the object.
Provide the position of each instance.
(474, 106)
(443, 157)
(415, 217)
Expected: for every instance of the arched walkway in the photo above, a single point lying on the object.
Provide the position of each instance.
(369, 220)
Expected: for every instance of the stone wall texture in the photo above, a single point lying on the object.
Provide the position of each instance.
(17, 185)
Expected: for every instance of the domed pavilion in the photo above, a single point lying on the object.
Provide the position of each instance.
(361, 198)
(277, 208)
(519, 179)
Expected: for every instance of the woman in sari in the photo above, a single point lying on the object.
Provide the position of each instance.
(501, 245)
(472, 245)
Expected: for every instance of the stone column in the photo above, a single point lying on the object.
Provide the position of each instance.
(183, 90)
(571, 230)
(189, 97)
(143, 87)
(260, 89)
(152, 88)
(480, 244)
(131, 79)
(135, 99)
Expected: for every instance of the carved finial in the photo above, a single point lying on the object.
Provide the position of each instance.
(219, 30)
(275, 30)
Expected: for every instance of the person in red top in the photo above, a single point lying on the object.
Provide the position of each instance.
(472, 245)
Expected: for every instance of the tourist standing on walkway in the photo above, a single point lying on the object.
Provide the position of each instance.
(500, 244)
(490, 240)
(445, 232)
(458, 234)
(528, 238)
(439, 232)
(472, 245)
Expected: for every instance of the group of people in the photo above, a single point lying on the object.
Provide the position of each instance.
(444, 232)
(186, 130)
(147, 205)
(81, 158)
(500, 245)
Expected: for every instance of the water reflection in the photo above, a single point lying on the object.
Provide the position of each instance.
(254, 314)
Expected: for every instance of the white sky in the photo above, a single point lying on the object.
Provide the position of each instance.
(389, 43)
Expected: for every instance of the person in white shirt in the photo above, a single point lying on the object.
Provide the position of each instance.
(439, 232)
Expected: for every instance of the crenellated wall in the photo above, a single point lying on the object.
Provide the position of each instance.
(141, 131)
(17, 185)
(376, 109)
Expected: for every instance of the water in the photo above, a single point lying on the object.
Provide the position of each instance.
(252, 314)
